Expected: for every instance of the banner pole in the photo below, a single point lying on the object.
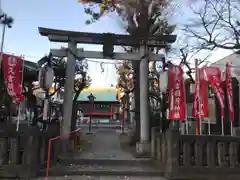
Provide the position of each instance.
(185, 102)
(209, 127)
(196, 86)
(197, 82)
(200, 122)
(187, 125)
(18, 119)
(2, 45)
(228, 81)
(222, 120)
(209, 121)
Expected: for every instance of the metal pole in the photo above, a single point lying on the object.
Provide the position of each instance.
(123, 122)
(209, 121)
(2, 44)
(185, 101)
(196, 86)
(90, 125)
(90, 119)
(144, 113)
(19, 105)
(68, 92)
(200, 101)
(209, 127)
(45, 106)
(222, 120)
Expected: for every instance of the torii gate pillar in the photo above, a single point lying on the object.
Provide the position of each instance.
(143, 146)
(68, 92)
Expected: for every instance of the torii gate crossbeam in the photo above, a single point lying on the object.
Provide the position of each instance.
(99, 55)
(56, 35)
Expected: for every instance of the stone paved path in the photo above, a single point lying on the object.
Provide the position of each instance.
(106, 145)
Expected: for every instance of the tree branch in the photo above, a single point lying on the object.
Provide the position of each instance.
(217, 26)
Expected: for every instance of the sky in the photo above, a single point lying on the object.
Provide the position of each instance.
(23, 38)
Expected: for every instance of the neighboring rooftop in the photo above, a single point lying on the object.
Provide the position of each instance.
(233, 59)
(101, 94)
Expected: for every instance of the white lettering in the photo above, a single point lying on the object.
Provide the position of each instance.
(10, 78)
(12, 61)
(10, 71)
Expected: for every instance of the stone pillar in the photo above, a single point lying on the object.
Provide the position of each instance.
(132, 107)
(136, 100)
(143, 146)
(68, 92)
(153, 141)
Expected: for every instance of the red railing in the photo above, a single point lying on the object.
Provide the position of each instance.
(49, 148)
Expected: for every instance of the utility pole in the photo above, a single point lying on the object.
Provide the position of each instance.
(6, 21)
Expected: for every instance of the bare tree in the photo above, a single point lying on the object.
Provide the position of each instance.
(216, 24)
(186, 59)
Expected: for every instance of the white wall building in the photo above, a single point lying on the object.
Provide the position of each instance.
(234, 60)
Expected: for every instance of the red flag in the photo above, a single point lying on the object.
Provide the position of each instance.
(12, 76)
(229, 92)
(200, 96)
(177, 107)
(213, 75)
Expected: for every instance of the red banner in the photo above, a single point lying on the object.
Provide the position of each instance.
(177, 108)
(12, 76)
(229, 92)
(213, 75)
(200, 96)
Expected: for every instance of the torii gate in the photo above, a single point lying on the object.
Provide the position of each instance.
(72, 38)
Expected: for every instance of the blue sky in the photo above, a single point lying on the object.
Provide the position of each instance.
(24, 39)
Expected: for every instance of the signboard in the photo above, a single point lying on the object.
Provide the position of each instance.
(211, 112)
(163, 81)
(83, 122)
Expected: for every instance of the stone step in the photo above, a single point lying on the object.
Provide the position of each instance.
(103, 161)
(103, 170)
(83, 177)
